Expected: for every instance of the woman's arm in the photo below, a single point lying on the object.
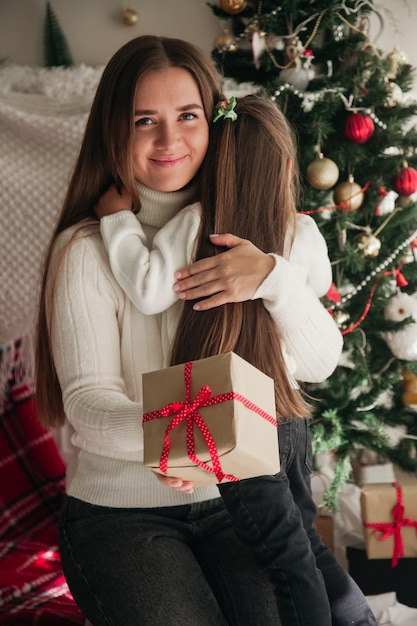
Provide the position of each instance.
(290, 292)
(311, 336)
(85, 337)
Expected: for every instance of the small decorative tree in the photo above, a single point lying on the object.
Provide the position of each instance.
(56, 49)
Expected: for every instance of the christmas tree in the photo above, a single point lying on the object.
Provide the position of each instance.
(56, 49)
(347, 101)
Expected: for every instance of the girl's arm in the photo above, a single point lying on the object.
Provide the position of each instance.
(147, 276)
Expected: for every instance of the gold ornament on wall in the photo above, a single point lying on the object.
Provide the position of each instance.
(130, 17)
(232, 6)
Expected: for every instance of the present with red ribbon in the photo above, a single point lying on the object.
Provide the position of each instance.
(210, 420)
(389, 514)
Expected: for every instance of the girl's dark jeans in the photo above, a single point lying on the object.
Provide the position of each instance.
(275, 515)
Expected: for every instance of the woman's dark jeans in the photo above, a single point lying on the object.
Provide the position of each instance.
(174, 566)
(184, 566)
(275, 515)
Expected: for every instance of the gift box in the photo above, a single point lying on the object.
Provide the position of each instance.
(369, 467)
(210, 420)
(377, 576)
(389, 514)
(325, 528)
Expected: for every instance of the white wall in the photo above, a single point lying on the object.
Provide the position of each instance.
(399, 27)
(94, 30)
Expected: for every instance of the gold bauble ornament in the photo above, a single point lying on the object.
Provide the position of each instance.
(341, 317)
(403, 201)
(322, 173)
(409, 387)
(349, 194)
(225, 41)
(232, 6)
(369, 245)
(129, 17)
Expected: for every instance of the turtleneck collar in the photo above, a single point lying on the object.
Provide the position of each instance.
(158, 207)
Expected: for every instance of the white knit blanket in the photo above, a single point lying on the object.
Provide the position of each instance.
(42, 116)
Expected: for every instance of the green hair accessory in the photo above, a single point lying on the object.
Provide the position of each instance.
(225, 109)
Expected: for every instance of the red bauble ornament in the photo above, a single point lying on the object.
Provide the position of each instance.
(359, 127)
(405, 182)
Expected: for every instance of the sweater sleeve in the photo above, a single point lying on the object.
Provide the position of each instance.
(291, 294)
(310, 255)
(147, 276)
(86, 348)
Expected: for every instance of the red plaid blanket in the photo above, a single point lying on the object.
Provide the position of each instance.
(32, 586)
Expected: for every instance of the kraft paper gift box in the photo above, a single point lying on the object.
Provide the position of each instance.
(231, 435)
(389, 514)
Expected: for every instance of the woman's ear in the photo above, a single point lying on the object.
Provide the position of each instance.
(289, 166)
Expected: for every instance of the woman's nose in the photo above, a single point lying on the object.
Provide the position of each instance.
(167, 135)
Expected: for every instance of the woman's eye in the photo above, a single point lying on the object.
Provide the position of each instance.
(143, 121)
(189, 116)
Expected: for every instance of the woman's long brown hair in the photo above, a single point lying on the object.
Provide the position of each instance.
(105, 157)
(249, 187)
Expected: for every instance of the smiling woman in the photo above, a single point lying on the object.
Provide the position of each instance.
(121, 529)
(171, 135)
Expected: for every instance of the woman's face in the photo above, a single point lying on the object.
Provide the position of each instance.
(171, 131)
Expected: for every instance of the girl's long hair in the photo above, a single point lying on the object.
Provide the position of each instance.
(105, 157)
(249, 187)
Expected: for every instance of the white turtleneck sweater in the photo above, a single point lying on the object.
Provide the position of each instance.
(102, 344)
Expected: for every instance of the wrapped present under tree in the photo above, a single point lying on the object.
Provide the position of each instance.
(389, 513)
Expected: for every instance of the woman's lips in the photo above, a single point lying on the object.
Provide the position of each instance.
(168, 161)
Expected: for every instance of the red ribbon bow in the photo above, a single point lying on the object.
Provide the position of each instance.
(189, 411)
(389, 529)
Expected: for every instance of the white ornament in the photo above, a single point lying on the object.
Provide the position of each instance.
(403, 342)
(299, 77)
(258, 46)
(387, 204)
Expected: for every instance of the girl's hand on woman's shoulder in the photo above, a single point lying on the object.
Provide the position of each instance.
(231, 276)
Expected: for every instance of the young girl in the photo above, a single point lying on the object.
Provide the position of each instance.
(248, 186)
